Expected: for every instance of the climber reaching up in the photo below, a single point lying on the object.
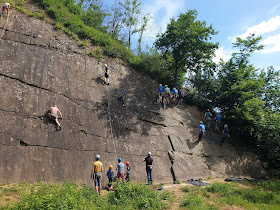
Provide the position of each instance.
(6, 6)
(53, 115)
(121, 98)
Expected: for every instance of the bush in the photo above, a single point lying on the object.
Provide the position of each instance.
(134, 196)
(58, 196)
(196, 202)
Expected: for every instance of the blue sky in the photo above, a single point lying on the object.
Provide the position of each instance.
(230, 19)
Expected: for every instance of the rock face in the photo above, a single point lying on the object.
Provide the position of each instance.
(40, 67)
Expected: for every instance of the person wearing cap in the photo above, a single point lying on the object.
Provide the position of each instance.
(149, 167)
(110, 175)
(161, 93)
(53, 114)
(106, 75)
(127, 178)
(96, 173)
(201, 131)
(225, 134)
(175, 94)
(218, 122)
(120, 169)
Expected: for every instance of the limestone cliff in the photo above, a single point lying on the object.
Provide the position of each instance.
(40, 67)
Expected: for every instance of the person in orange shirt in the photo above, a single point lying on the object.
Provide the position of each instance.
(96, 174)
(6, 6)
(53, 115)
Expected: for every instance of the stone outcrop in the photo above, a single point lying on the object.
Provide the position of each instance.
(40, 67)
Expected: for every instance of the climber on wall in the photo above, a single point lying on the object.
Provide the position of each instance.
(149, 167)
(96, 174)
(160, 94)
(53, 115)
(208, 116)
(121, 98)
(201, 131)
(225, 134)
(106, 75)
(6, 6)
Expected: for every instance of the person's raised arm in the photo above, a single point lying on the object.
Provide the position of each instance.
(59, 113)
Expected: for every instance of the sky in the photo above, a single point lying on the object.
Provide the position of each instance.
(231, 19)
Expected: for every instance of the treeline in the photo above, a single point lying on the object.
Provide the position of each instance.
(247, 97)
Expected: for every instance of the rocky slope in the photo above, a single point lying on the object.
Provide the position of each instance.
(40, 67)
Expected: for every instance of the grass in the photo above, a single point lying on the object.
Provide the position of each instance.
(262, 195)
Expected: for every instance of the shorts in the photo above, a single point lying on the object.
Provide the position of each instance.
(53, 116)
(97, 179)
(120, 174)
(218, 121)
(106, 75)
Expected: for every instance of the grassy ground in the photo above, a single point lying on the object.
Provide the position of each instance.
(219, 195)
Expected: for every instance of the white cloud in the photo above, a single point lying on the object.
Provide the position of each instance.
(272, 44)
(264, 27)
(221, 53)
(170, 7)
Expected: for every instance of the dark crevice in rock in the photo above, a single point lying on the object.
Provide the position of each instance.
(153, 122)
(171, 158)
(171, 143)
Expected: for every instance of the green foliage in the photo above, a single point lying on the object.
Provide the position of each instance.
(186, 44)
(134, 196)
(58, 196)
(263, 195)
(196, 202)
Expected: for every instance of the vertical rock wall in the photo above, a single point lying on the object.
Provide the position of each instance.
(40, 67)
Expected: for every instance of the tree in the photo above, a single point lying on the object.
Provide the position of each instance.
(130, 19)
(143, 27)
(187, 39)
(115, 23)
(93, 15)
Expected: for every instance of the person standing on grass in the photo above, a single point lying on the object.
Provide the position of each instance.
(96, 173)
(149, 167)
(127, 178)
(120, 169)
(110, 175)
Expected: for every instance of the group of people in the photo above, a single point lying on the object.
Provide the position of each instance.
(97, 168)
(165, 95)
(218, 123)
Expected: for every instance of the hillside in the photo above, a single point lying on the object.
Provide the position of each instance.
(40, 67)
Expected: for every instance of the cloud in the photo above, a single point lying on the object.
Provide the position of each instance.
(221, 53)
(272, 44)
(264, 27)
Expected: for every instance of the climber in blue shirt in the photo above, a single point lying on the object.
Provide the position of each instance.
(201, 131)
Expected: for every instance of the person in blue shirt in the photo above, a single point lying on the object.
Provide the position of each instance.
(225, 134)
(218, 122)
(201, 131)
(167, 94)
(161, 93)
(175, 94)
(110, 175)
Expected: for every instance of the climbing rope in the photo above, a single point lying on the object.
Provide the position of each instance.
(129, 127)
(110, 122)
